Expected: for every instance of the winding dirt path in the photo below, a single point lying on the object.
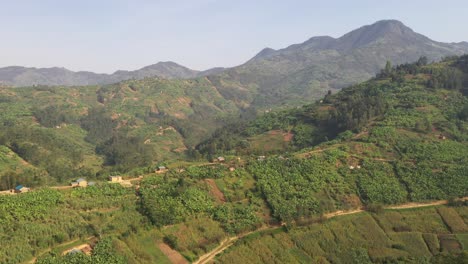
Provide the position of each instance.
(210, 255)
(206, 258)
(341, 212)
(44, 251)
(226, 243)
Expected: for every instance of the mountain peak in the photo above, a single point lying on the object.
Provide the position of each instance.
(392, 31)
(264, 53)
(391, 27)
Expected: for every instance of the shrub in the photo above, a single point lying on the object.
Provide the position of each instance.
(171, 240)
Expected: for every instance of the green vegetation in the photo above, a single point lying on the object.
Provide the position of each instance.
(363, 238)
(69, 132)
(167, 201)
(35, 221)
(103, 252)
(400, 137)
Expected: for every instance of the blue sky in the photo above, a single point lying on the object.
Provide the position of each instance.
(107, 35)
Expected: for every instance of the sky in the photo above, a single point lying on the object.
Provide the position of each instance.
(108, 35)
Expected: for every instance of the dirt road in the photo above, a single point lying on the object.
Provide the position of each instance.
(226, 243)
(206, 258)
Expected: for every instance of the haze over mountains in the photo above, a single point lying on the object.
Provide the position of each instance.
(23, 76)
(315, 65)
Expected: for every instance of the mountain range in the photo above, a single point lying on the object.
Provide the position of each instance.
(291, 75)
(24, 76)
(301, 72)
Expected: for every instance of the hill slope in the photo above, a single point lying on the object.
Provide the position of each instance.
(78, 131)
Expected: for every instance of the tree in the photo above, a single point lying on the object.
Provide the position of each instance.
(422, 61)
(388, 68)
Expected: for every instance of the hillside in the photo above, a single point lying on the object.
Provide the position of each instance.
(23, 76)
(398, 138)
(68, 132)
(425, 89)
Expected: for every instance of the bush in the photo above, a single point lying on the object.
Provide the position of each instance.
(398, 246)
(171, 240)
(375, 208)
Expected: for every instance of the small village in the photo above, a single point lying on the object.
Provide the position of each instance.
(128, 182)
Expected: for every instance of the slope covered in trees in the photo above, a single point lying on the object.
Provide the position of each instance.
(67, 132)
(416, 97)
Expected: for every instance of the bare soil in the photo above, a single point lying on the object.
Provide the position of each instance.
(215, 191)
(174, 256)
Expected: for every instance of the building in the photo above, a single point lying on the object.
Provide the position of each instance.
(82, 249)
(115, 178)
(21, 189)
(81, 182)
(161, 169)
(74, 251)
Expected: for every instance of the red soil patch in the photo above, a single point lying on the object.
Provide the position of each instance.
(326, 108)
(174, 256)
(215, 191)
(287, 137)
(274, 132)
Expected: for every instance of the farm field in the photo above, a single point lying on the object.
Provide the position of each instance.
(411, 235)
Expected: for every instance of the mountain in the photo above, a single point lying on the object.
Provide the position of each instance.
(22, 76)
(303, 72)
(293, 75)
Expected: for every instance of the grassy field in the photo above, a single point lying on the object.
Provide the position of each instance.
(271, 141)
(406, 235)
(142, 248)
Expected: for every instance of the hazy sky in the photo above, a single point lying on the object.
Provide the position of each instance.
(107, 35)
